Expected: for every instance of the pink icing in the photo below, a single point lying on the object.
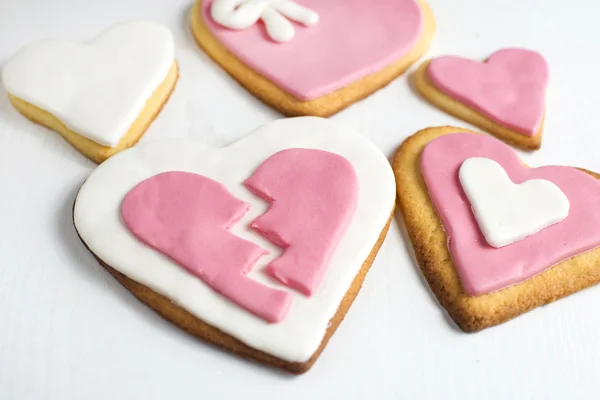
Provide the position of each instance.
(353, 38)
(482, 268)
(509, 88)
(313, 195)
(187, 217)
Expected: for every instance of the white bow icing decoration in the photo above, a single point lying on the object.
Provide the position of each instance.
(241, 14)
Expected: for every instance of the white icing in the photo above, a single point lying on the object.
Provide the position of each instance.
(98, 221)
(507, 212)
(241, 14)
(96, 89)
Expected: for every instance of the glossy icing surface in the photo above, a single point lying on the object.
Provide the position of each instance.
(482, 268)
(354, 38)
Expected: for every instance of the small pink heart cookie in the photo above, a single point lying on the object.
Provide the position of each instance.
(259, 247)
(493, 237)
(504, 95)
(313, 57)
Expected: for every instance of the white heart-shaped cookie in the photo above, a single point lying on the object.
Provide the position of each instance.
(507, 212)
(99, 89)
(296, 339)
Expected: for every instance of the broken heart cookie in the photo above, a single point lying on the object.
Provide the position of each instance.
(494, 238)
(313, 57)
(259, 247)
(101, 96)
(505, 95)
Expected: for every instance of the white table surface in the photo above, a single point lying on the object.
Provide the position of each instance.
(68, 330)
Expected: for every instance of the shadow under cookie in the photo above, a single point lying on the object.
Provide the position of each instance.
(173, 313)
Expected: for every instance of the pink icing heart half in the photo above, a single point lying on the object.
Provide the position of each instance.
(509, 88)
(353, 38)
(187, 217)
(313, 195)
(482, 268)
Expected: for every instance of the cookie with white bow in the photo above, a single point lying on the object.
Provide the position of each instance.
(259, 247)
(100, 96)
(493, 237)
(313, 57)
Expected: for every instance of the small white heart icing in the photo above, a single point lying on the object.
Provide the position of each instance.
(507, 212)
(98, 220)
(96, 89)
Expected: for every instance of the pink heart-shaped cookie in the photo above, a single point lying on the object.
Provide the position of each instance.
(313, 57)
(352, 39)
(509, 88)
(482, 268)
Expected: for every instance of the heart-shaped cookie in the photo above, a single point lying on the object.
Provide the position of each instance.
(505, 95)
(183, 297)
(352, 49)
(478, 284)
(100, 96)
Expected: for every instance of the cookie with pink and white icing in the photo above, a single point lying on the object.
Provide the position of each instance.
(493, 237)
(258, 247)
(313, 57)
(504, 95)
